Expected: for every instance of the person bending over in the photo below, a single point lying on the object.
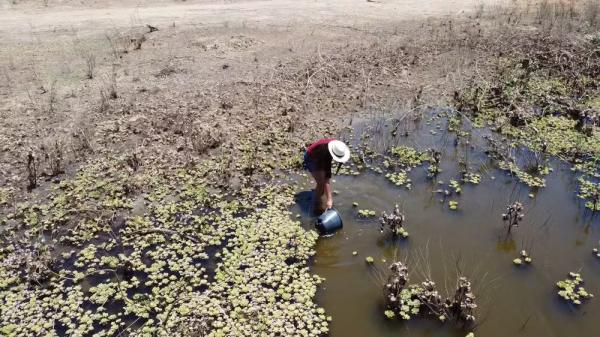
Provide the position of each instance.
(317, 160)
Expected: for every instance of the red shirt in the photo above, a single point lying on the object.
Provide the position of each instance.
(314, 145)
(318, 152)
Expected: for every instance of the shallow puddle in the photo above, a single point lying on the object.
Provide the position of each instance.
(513, 300)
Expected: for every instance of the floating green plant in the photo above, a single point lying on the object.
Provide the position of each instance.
(369, 259)
(590, 192)
(434, 163)
(348, 170)
(366, 213)
(571, 289)
(453, 205)
(408, 156)
(455, 186)
(472, 178)
(150, 268)
(399, 179)
(523, 176)
(523, 258)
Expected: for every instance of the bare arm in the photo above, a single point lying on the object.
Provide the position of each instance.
(328, 193)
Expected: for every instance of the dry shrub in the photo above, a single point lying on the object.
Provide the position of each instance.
(103, 105)
(32, 166)
(54, 156)
(133, 161)
(591, 10)
(111, 84)
(51, 97)
(90, 62)
(138, 41)
(557, 17)
(33, 262)
(544, 12)
(82, 134)
(108, 90)
(204, 138)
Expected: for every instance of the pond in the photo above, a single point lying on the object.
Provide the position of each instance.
(473, 241)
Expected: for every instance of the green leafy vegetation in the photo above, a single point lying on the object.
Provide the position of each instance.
(472, 178)
(523, 258)
(571, 289)
(523, 176)
(399, 179)
(142, 267)
(366, 213)
(407, 156)
(590, 192)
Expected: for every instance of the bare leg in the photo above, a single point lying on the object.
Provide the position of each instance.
(320, 200)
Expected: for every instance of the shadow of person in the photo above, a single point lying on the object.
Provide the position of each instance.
(305, 201)
(311, 203)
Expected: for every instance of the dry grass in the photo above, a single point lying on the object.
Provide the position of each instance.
(90, 62)
(591, 12)
(398, 68)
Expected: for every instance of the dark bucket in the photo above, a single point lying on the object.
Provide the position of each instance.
(329, 222)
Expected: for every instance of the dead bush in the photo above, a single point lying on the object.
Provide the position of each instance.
(51, 97)
(108, 90)
(167, 71)
(103, 105)
(111, 84)
(81, 134)
(33, 262)
(204, 138)
(90, 62)
(53, 153)
(591, 10)
(31, 171)
(133, 161)
(138, 41)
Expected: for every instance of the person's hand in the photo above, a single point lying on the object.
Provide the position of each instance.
(329, 204)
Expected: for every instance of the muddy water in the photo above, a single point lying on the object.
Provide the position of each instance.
(513, 301)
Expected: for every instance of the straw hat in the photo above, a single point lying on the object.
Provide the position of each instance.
(339, 151)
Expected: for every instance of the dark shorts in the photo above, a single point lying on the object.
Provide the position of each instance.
(309, 164)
